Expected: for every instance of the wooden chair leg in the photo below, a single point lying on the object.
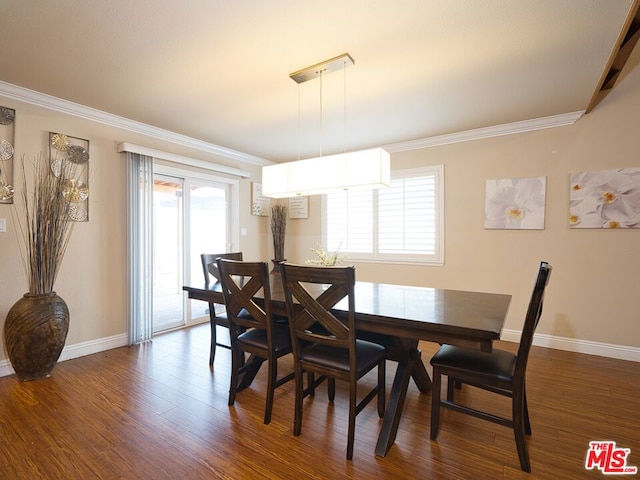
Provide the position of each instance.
(297, 419)
(311, 380)
(527, 423)
(381, 383)
(235, 367)
(332, 388)
(352, 419)
(435, 403)
(271, 386)
(212, 320)
(519, 430)
(451, 388)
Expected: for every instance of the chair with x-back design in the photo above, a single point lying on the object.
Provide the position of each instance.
(325, 345)
(252, 328)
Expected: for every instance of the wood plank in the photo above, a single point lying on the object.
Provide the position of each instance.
(159, 411)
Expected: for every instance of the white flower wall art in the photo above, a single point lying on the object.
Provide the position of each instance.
(605, 199)
(515, 203)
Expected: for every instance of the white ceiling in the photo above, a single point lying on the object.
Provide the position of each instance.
(218, 70)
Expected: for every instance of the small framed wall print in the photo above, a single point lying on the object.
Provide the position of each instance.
(299, 207)
(259, 203)
(515, 203)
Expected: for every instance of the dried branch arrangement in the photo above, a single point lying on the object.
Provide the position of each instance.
(278, 225)
(47, 227)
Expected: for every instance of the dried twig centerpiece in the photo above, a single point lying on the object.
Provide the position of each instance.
(278, 226)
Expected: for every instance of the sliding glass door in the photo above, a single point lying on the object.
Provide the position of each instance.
(168, 242)
(190, 217)
(209, 232)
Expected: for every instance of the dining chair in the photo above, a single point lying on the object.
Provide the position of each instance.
(325, 345)
(252, 328)
(499, 372)
(211, 276)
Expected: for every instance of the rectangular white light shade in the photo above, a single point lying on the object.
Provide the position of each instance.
(351, 170)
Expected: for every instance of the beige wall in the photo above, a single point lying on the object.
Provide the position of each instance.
(93, 277)
(593, 294)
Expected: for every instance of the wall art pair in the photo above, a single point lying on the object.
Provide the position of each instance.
(598, 199)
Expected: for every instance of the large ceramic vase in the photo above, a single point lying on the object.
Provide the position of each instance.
(34, 333)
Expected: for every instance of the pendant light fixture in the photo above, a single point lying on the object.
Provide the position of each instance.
(362, 169)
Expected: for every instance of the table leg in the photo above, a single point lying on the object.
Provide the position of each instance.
(421, 376)
(251, 368)
(406, 367)
(398, 349)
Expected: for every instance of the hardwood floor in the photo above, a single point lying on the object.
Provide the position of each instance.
(158, 411)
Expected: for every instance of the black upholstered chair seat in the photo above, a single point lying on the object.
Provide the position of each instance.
(368, 355)
(281, 320)
(257, 338)
(494, 368)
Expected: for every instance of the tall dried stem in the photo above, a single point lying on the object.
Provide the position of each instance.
(47, 227)
(278, 225)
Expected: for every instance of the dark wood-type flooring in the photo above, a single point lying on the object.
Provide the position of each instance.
(158, 411)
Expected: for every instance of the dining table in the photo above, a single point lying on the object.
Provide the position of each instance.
(398, 317)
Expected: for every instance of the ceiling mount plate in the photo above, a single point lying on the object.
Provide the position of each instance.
(328, 66)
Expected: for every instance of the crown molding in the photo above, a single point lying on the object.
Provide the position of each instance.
(64, 106)
(487, 132)
(70, 108)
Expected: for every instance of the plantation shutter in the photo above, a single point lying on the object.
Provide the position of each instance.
(402, 223)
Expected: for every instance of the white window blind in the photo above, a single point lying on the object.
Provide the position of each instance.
(402, 223)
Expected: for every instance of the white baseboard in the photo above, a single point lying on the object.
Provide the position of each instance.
(78, 350)
(94, 346)
(621, 352)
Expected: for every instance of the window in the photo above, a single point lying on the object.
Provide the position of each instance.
(400, 224)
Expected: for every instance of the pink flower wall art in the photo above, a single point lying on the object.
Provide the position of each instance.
(515, 203)
(605, 199)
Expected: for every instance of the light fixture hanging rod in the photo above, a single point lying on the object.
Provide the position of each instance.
(328, 66)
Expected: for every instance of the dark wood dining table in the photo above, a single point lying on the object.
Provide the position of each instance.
(398, 317)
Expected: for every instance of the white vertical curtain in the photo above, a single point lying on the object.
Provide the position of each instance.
(140, 247)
